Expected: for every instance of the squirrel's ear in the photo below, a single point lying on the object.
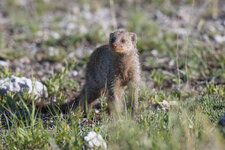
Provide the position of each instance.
(133, 37)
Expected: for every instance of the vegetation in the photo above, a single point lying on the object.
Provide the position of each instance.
(182, 54)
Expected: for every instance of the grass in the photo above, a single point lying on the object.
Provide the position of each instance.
(193, 125)
(188, 69)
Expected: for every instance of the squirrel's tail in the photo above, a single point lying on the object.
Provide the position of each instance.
(71, 105)
(64, 108)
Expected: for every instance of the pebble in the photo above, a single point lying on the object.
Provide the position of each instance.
(94, 140)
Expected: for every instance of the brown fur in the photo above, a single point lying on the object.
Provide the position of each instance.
(110, 68)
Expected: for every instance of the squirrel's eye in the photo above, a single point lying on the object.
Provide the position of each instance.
(113, 40)
(123, 41)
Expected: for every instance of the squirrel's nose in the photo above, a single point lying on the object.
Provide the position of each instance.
(114, 46)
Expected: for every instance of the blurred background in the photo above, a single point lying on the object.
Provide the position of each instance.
(182, 52)
(181, 42)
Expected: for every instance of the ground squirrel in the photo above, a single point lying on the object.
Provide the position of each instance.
(110, 68)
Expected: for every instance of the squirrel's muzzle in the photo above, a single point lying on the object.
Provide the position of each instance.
(114, 45)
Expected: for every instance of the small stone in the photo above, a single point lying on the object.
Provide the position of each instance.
(4, 63)
(25, 60)
(74, 73)
(219, 38)
(97, 111)
(47, 1)
(180, 31)
(55, 35)
(190, 126)
(171, 63)
(71, 26)
(75, 10)
(52, 51)
(93, 139)
(154, 52)
(83, 30)
(21, 2)
(166, 105)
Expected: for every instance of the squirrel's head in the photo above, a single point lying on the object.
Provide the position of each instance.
(121, 41)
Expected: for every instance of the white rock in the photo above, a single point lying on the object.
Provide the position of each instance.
(83, 30)
(71, 26)
(94, 139)
(47, 1)
(171, 63)
(4, 63)
(219, 38)
(154, 52)
(180, 31)
(97, 111)
(18, 84)
(55, 35)
(166, 105)
(21, 2)
(75, 10)
(73, 73)
(52, 51)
